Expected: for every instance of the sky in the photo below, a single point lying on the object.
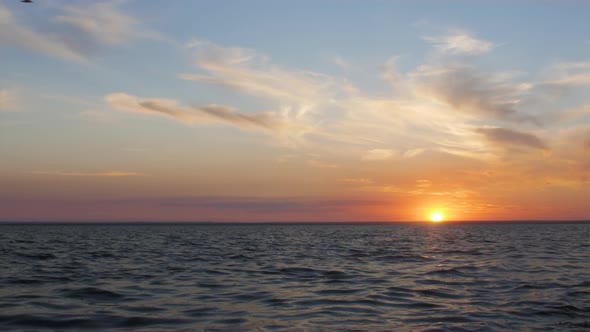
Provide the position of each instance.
(272, 111)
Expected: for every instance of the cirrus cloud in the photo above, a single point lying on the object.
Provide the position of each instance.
(196, 115)
(378, 154)
(74, 34)
(460, 42)
(468, 90)
(508, 137)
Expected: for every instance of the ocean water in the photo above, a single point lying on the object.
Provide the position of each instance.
(417, 277)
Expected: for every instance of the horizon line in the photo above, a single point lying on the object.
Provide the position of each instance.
(143, 222)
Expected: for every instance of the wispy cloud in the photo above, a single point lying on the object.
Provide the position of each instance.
(89, 174)
(196, 115)
(378, 154)
(314, 108)
(507, 137)
(321, 164)
(248, 72)
(14, 33)
(468, 90)
(102, 21)
(73, 35)
(570, 74)
(446, 109)
(568, 115)
(573, 144)
(460, 42)
(341, 62)
(423, 183)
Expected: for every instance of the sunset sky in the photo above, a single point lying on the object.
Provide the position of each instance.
(294, 110)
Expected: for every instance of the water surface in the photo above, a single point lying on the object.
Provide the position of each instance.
(485, 277)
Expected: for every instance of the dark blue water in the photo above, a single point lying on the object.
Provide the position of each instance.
(515, 277)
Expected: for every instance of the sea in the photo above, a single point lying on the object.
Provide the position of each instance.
(295, 277)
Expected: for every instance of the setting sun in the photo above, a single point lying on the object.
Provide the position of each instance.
(436, 217)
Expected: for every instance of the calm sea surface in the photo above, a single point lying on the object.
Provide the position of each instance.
(486, 277)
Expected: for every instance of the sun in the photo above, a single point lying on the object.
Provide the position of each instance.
(436, 217)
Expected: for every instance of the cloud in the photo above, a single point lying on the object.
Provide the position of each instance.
(89, 174)
(573, 140)
(508, 137)
(423, 183)
(197, 115)
(72, 35)
(389, 72)
(378, 154)
(248, 72)
(102, 22)
(573, 80)
(467, 90)
(460, 42)
(571, 115)
(12, 32)
(432, 108)
(570, 74)
(319, 108)
(341, 62)
(321, 164)
(413, 153)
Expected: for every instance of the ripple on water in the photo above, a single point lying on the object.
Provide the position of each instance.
(39, 256)
(435, 293)
(337, 291)
(92, 293)
(47, 321)
(295, 277)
